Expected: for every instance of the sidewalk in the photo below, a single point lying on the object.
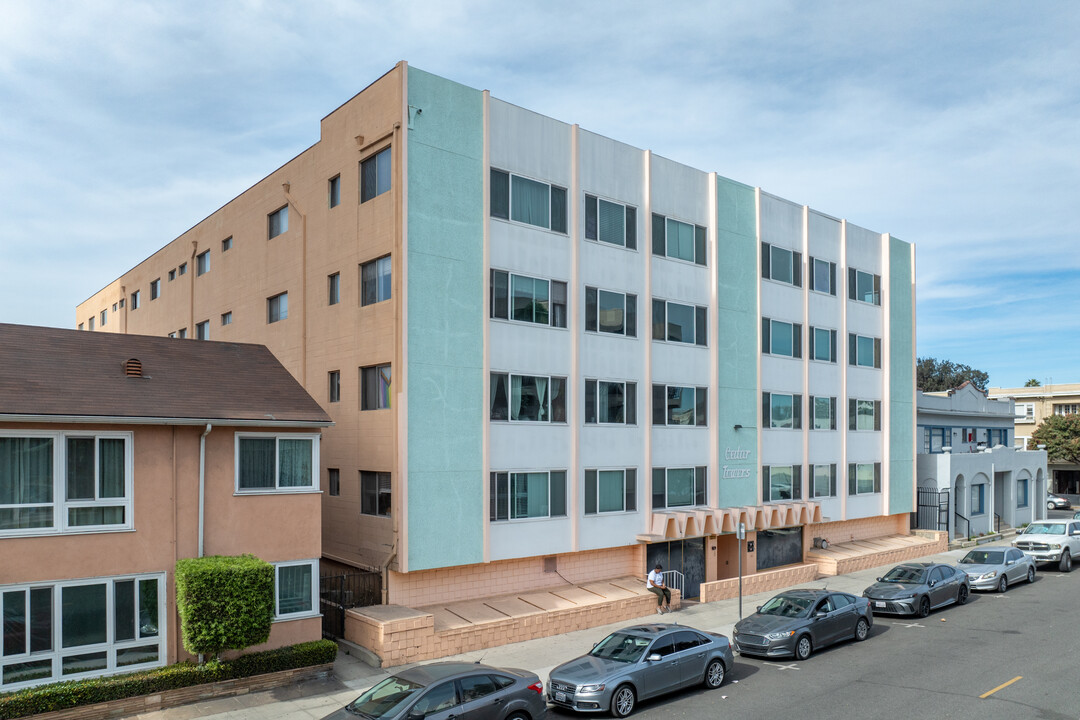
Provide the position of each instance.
(315, 699)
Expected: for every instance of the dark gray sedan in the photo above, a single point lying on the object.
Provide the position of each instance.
(640, 662)
(797, 622)
(444, 690)
(918, 588)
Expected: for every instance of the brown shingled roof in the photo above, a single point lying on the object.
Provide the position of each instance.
(70, 373)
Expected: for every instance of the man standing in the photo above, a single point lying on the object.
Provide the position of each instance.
(655, 584)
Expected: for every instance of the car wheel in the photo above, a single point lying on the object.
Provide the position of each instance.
(622, 702)
(1003, 584)
(962, 596)
(518, 716)
(924, 607)
(862, 629)
(1031, 574)
(803, 648)
(1049, 506)
(714, 675)
(1066, 562)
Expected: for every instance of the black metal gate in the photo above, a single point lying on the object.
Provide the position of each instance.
(932, 510)
(337, 593)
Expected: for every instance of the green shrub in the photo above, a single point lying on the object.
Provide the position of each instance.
(64, 695)
(225, 603)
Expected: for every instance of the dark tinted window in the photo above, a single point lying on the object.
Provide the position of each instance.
(475, 687)
(685, 640)
(1015, 555)
(438, 698)
(823, 606)
(946, 572)
(663, 646)
(501, 681)
(937, 575)
(841, 601)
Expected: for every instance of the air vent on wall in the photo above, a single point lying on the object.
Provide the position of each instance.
(133, 368)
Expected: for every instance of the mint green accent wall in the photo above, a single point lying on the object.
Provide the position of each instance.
(736, 339)
(445, 323)
(901, 379)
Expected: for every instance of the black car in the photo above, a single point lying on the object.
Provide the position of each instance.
(797, 622)
(918, 588)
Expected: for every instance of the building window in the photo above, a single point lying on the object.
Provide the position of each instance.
(864, 478)
(64, 482)
(333, 191)
(277, 222)
(822, 344)
(115, 305)
(824, 411)
(104, 317)
(935, 438)
(181, 333)
(295, 589)
(864, 287)
(226, 318)
(678, 487)
(172, 274)
(781, 338)
(375, 281)
(81, 326)
(90, 322)
(226, 244)
(528, 201)
(611, 403)
(680, 240)
(781, 264)
(375, 387)
(528, 398)
(334, 377)
(781, 410)
(781, 483)
(333, 481)
(172, 334)
(610, 312)
(1025, 412)
(978, 499)
(824, 481)
(375, 175)
(1066, 409)
(155, 289)
(268, 462)
(997, 436)
(1022, 493)
(182, 269)
(864, 414)
(375, 493)
(864, 351)
(675, 322)
(610, 222)
(121, 303)
(527, 299)
(333, 289)
(202, 330)
(675, 405)
(522, 495)
(135, 298)
(822, 276)
(202, 263)
(277, 307)
(609, 491)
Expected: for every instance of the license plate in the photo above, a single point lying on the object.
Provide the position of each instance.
(560, 697)
(879, 603)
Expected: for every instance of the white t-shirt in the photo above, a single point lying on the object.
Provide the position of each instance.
(656, 579)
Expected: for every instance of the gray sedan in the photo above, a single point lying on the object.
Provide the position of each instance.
(797, 622)
(917, 588)
(640, 662)
(995, 568)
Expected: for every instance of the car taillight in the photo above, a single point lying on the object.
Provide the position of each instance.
(537, 687)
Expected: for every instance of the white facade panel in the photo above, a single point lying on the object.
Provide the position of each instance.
(781, 374)
(677, 364)
(608, 529)
(781, 222)
(527, 349)
(529, 447)
(781, 301)
(529, 144)
(614, 171)
(680, 192)
(527, 538)
(864, 506)
(863, 249)
(680, 446)
(823, 237)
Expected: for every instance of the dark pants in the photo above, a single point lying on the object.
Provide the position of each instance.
(663, 595)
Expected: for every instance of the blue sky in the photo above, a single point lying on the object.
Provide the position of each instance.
(951, 125)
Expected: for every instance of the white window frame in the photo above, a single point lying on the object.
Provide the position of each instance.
(1025, 412)
(277, 489)
(493, 491)
(548, 407)
(796, 342)
(629, 407)
(271, 317)
(510, 202)
(226, 317)
(226, 244)
(155, 289)
(667, 470)
(830, 267)
(135, 297)
(667, 220)
(831, 344)
(629, 223)
(795, 489)
(796, 404)
(831, 471)
(554, 317)
(696, 342)
(104, 317)
(830, 400)
(378, 492)
(202, 330)
(333, 288)
(629, 300)
(623, 494)
(875, 470)
(795, 261)
(379, 263)
(202, 263)
(876, 351)
(853, 289)
(282, 223)
(314, 611)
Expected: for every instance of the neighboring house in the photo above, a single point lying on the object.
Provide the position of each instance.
(1035, 404)
(972, 480)
(551, 356)
(119, 455)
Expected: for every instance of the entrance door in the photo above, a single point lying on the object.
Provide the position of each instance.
(686, 556)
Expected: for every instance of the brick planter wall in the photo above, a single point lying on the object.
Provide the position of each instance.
(763, 581)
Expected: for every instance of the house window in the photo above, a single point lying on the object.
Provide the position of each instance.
(268, 462)
(135, 298)
(375, 387)
(611, 403)
(864, 287)
(202, 330)
(295, 589)
(115, 305)
(824, 411)
(610, 222)
(277, 307)
(978, 499)
(182, 270)
(1025, 412)
(935, 438)
(522, 495)
(333, 481)
(864, 351)
(675, 405)
(781, 338)
(1066, 409)
(375, 175)
(528, 201)
(333, 289)
(121, 303)
(90, 321)
(1022, 493)
(375, 493)
(527, 299)
(182, 333)
(822, 276)
(81, 326)
(334, 377)
(781, 410)
(781, 264)
(172, 274)
(609, 491)
(226, 244)
(333, 191)
(680, 240)
(155, 289)
(997, 436)
(864, 414)
(226, 318)
(678, 487)
(864, 478)
(528, 398)
(822, 344)
(610, 312)
(824, 481)
(172, 334)
(675, 322)
(781, 483)
(202, 263)
(277, 222)
(104, 317)
(375, 281)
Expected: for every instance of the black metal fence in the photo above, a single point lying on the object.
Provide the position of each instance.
(932, 510)
(339, 592)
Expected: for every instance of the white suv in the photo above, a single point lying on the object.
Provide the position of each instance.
(1051, 541)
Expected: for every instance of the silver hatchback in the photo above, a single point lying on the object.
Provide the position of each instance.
(996, 568)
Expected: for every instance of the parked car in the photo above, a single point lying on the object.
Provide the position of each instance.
(1051, 541)
(918, 588)
(443, 690)
(995, 568)
(1056, 502)
(797, 622)
(1076, 515)
(637, 663)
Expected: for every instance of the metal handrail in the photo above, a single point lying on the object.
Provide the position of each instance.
(674, 580)
(997, 523)
(967, 526)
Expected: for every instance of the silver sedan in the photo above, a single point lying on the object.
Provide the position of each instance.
(996, 568)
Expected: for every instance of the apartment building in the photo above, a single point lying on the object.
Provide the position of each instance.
(549, 355)
(1035, 404)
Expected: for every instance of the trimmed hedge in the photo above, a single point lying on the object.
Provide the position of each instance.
(64, 695)
(225, 603)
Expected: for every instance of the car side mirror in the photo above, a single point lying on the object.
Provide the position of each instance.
(932, 583)
(655, 657)
(881, 579)
(759, 608)
(416, 715)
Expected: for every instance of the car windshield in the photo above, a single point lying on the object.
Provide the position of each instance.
(786, 606)
(621, 647)
(984, 557)
(903, 574)
(1045, 529)
(385, 699)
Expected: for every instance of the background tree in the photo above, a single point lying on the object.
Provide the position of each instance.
(933, 375)
(1033, 383)
(1061, 436)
